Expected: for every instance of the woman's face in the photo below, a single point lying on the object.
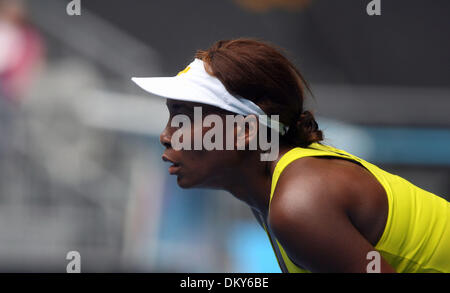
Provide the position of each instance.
(195, 168)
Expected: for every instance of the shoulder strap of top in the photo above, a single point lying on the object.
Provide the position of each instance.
(314, 149)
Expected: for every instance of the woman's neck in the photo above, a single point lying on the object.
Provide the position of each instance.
(252, 181)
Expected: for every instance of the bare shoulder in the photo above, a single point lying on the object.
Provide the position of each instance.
(311, 181)
(311, 189)
(328, 214)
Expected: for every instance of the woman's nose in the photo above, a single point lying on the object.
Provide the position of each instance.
(164, 138)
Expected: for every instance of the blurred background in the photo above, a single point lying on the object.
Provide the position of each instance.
(80, 159)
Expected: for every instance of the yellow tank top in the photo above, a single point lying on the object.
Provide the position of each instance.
(416, 238)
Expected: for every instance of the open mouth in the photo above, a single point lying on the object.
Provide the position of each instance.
(174, 167)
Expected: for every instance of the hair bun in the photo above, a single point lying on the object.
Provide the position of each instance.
(305, 131)
(308, 121)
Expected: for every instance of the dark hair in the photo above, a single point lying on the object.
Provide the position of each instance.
(258, 71)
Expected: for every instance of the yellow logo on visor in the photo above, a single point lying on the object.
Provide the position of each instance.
(184, 70)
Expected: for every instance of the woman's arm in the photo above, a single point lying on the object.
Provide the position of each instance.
(309, 217)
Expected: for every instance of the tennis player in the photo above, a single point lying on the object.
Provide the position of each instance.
(324, 210)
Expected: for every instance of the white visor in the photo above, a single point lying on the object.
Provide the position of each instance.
(194, 84)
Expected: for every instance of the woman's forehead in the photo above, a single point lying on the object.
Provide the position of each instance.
(191, 105)
(171, 102)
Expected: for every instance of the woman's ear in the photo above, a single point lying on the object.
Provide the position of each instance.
(247, 133)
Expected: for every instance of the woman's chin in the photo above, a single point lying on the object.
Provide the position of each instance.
(183, 183)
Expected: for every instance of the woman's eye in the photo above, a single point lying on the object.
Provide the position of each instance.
(176, 111)
(188, 112)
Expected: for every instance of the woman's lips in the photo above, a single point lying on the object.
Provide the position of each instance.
(174, 168)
